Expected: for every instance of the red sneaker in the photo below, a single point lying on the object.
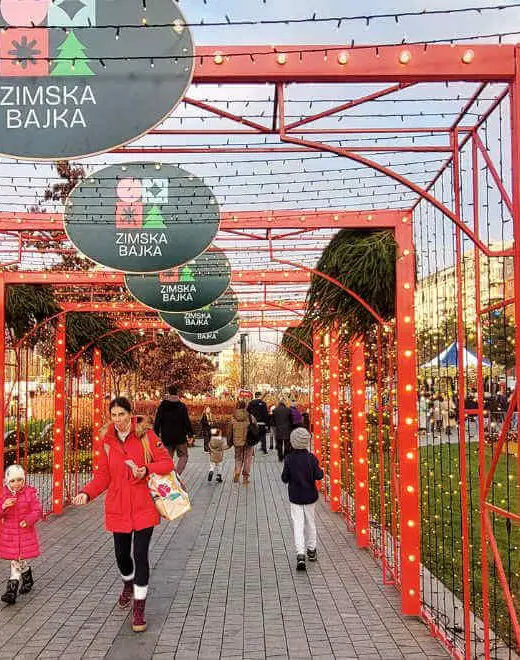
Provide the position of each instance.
(138, 619)
(126, 595)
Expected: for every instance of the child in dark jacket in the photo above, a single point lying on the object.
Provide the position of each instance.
(301, 470)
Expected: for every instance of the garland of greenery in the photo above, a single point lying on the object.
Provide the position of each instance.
(363, 261)
(292, 342)
(27, 305)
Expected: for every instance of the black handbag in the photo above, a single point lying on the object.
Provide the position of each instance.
(253, 433)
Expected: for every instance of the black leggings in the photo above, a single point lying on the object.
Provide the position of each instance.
(139, 563)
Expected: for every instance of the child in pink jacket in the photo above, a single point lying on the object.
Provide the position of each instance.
(20, 510)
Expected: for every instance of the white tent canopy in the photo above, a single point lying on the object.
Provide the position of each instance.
(449, 358)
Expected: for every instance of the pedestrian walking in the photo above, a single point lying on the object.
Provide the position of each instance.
(272, 432)
(282, 419)
(258, 408)
(130, 513)
(301, 470)
(172, 424)
(217, 446)
(437, 413)
(296, 416)
(243, 452)
(20, 510)
(423, 414)
(206, 422)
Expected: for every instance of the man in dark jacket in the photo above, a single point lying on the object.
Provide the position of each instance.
(258, 408)
(282, 427)
(173, 426)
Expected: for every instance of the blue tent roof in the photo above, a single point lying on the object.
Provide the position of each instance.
(449, 358)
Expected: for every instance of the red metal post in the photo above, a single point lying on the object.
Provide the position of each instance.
(360, 442)
(97, 416)
(464, 504)
(58, 454)
(317, 423)
(407, 426)
(335, 433)
(2, 370)
(515, 165)
(480, 395)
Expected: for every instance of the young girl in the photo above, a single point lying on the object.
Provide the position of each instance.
(217, 446)
(20, 510)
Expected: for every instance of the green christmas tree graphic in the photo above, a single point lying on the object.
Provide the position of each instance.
(154, 219)
(187, 275)
(71, 60)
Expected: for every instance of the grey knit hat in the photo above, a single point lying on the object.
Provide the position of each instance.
(300, 438)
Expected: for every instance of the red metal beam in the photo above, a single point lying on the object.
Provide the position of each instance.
(274, 324)
(335, 64)
(124, 307)
(86, 278)
(233, 220)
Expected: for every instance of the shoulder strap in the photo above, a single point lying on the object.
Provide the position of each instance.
(148, 457)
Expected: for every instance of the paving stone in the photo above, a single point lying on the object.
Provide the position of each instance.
(223, 585)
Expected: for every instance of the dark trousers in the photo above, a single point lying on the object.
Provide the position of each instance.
(182, 455)
(283, 447)
(137, 565)
(262, 430)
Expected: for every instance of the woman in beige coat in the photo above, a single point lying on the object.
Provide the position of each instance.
(243, 453)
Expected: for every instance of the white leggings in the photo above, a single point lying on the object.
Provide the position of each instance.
(215, 467)
(304, 527)
(18, 566)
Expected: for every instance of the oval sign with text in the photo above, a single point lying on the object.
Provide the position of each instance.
(141, 217)
(209, 318)
(212, 338)
(80, 77)
(217, 348)
(192, 286)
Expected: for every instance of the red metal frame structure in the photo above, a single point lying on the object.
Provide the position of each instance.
(398, 69)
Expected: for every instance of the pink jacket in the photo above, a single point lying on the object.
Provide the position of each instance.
(20, 542)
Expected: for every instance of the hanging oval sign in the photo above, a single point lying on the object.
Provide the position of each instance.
(141, 217)
(209, 318)
(192, 286)
(80, 77)
(211, 338)
(209, 349)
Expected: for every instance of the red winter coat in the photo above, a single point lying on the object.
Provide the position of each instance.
(128, 504)
(20, 542)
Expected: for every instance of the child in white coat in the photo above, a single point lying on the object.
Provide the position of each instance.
(217, 447)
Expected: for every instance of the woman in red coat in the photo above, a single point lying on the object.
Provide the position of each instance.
(20, 510)
(130, 513)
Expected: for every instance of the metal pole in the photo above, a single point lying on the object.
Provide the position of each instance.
(97, 415)
(243, 351)
(334, 446)
(407, 426)
(464, 504)
(58, 454)
(360, 443)
(316, 410)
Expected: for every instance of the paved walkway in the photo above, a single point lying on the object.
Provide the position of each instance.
(223, 585)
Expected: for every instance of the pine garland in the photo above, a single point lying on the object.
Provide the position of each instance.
(363, 261)
(295, 349)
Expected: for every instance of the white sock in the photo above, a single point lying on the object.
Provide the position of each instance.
(140, 592)
(127, 578)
